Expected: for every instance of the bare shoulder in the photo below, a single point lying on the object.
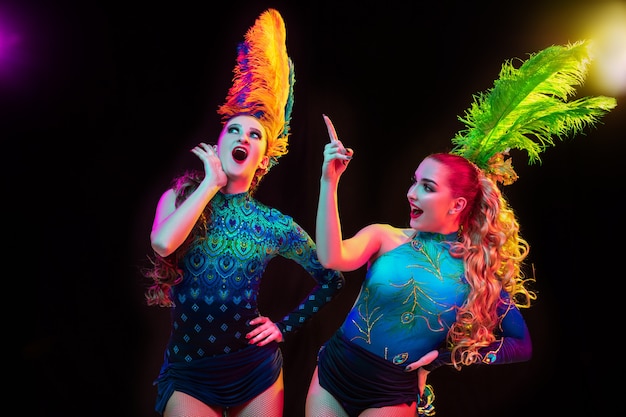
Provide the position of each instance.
(390, 237)
(168, 197)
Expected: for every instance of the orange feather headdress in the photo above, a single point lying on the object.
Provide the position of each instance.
(263, 82)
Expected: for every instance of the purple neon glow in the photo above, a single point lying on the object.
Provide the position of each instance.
(10, 41)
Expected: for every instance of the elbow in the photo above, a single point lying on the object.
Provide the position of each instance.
(335, 262)
(521, 350)
(323, 259)
(161, 248)
(524, 353)
(331, 258)
(528, 351)
(328, 263)
(528, 346)
(162, 251)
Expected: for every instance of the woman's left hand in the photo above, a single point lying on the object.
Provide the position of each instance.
(265, 332)
(424, 360)
(422, 374)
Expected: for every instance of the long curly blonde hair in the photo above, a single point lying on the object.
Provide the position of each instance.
(493, 253)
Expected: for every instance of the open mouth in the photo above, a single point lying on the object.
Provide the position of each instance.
(416, 212)
(240, 154)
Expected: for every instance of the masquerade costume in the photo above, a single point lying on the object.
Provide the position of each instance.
(216, 297)
(403, 311)
(409, 298)
(405, 307)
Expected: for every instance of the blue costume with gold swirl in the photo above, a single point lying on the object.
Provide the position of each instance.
(408, 300)
(208, 355)
(406, 305)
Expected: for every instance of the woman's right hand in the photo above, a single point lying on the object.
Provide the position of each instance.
(212, 164)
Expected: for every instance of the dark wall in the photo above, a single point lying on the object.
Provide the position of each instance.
(103, 101)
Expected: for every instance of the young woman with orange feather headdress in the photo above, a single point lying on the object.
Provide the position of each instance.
(213, 241)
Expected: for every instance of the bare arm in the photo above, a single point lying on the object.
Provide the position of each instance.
(173, 224)
(332, 250)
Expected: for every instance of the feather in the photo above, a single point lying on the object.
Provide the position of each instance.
(263, 81)
(528, 108)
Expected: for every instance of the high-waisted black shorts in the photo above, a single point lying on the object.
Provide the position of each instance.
(359, 380)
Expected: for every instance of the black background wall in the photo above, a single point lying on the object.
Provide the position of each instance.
(100, 103)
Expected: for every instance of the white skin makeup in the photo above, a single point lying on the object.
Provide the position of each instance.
(241, 149)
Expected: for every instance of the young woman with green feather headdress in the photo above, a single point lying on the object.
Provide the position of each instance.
(449, 288)
(213, 241)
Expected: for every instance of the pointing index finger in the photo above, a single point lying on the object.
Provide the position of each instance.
(331, 129)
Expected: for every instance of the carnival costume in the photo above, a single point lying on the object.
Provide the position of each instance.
(410, 295)
(217, 298)
(222, 264)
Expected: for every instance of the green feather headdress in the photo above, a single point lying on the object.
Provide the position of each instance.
(528, 108)
(263, 80)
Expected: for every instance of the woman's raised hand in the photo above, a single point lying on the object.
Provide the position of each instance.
(212, 164)
(336, 156)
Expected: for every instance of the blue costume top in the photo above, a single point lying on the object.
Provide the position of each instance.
(407, 303)
(408, 300)
(218, 296)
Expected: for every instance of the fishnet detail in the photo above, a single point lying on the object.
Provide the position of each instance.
(320, 403)
(326, 406)
(401, 410)
(269, 403)
(184, 405)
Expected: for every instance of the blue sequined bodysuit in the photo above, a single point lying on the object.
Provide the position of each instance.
(218, 296)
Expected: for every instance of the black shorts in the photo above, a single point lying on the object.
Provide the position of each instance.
(224, 380)
(359, 380)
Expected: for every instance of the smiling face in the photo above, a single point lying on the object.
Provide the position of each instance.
(241, 148)
(433, 207)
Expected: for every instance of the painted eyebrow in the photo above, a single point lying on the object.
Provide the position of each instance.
(240, 126)
(429, 181)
